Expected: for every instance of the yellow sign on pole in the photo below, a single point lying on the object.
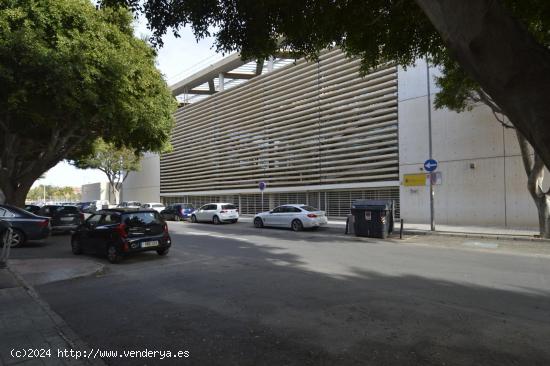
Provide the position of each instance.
(414, 180)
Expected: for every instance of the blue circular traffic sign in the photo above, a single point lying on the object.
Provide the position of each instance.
(430, 165)
(262, 185)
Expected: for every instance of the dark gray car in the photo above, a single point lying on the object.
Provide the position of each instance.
(25, 225)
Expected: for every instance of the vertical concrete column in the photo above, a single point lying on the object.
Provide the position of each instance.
(270, 64)
(221, 81)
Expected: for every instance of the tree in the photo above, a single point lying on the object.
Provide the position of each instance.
(458, 93)
(53, 193)
(70, 74)
(115, 162)
(496, 42)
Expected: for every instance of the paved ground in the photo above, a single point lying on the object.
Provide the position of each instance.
(235, 295)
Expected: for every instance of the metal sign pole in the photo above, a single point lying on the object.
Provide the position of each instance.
(432, 213)
(6, 248)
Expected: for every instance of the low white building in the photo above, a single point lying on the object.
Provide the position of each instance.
(143, 185)
(97, 191)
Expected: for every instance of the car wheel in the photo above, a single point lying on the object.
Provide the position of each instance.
(17, 238)
(193, 218)
(258, 222)
(76, 247)
(163, 251)
(216, 220)
(112, 254)
(297, 225)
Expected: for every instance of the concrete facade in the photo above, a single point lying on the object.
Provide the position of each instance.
(143, 185)
(97, 191)
(484, 182)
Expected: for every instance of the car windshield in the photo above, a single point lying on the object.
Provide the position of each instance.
(229, 207)
(308, 208)
(141, 218)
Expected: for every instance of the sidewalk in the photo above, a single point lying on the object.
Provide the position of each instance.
(27, 323)
(449, 230)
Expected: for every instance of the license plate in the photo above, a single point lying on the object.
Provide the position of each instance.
(67, 219)
(147, 244)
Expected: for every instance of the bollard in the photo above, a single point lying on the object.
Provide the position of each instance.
(6, 248)
(401, 230)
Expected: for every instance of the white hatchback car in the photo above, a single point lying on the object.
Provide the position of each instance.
(153, 206)
(296, 217)
(216, 213)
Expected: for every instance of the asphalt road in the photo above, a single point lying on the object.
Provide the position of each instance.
(235, 295)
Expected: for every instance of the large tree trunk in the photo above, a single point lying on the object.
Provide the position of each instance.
(502, 56)
(534, 167)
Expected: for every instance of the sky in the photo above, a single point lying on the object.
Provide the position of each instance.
(179, 58)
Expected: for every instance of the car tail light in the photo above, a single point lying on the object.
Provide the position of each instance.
(125, 247)
(236, 210)
(82, 217)
(121, 230)
(165, 229)
(312, 215)
(44, 223)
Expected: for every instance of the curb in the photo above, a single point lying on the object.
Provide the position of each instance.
(62, 328)
(476, 235)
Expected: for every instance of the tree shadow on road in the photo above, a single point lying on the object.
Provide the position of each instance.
(244, 304)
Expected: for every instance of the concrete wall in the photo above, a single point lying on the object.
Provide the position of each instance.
(484, 182)
(97, 191)
(144, 184)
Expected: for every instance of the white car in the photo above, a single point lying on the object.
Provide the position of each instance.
(216, 213)
(153, 206)
(296, 217)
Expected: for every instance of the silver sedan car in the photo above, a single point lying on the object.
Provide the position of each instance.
(296, 217)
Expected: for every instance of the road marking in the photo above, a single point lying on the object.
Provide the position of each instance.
(214, 235)
(477, 244)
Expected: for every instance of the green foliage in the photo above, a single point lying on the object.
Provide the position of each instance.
(375, 30)
(71, 74)
(109, 159)
(115, 162)
(53, 193)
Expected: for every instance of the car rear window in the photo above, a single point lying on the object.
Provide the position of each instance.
(308, 208)
(68, 210)
(229, 207)
(141, 218)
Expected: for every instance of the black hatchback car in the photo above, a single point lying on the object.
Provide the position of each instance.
(63, 218)
(119, 232)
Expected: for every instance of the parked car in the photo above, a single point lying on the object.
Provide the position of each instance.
(120, 232)
(25, 225)
(94, 206)
(130, 204)
(296, 217)
(216, 213)
(178, 211)
(63, 218)
(153, 206)
(82, 206)
(32, 209)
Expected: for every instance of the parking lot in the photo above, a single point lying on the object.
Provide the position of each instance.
(237, 295)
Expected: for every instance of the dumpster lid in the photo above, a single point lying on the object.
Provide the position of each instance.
(378, 204)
